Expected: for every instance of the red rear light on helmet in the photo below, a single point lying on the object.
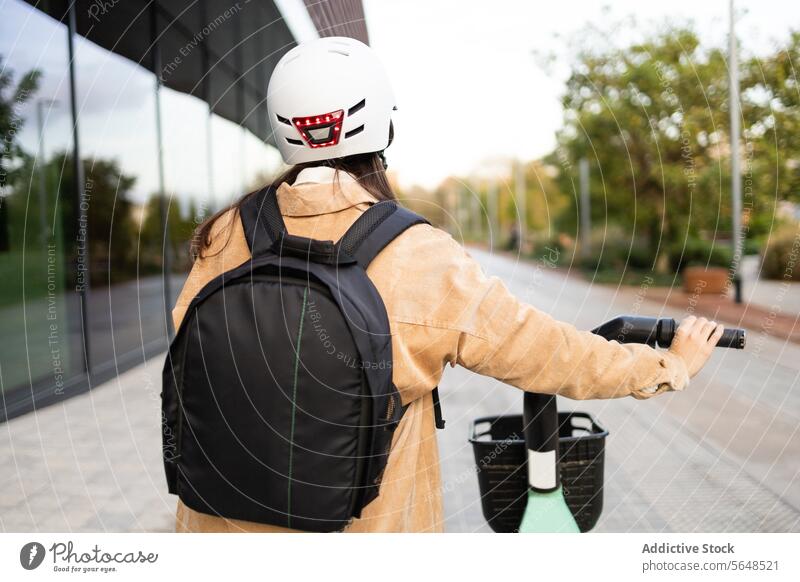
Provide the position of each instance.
(322, 130)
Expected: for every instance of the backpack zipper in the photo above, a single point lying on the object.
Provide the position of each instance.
(364, 438)
(390, 408)
(179, 424)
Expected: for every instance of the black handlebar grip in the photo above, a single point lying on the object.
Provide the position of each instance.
(636, 329)
(733, 338)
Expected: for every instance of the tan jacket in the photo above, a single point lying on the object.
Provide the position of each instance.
(442, 310)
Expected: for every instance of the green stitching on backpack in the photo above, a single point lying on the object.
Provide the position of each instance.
(294, 408)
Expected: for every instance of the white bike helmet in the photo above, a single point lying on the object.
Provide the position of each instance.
(329, 98)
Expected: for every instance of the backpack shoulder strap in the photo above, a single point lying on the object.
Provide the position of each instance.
(370, 234)
(262, 220)
(437, 409)
(375, 229)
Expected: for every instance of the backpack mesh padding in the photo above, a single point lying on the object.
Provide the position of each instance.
(270, 213)
(365, 225)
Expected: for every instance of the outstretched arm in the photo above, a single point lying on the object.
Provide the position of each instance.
(518, 344)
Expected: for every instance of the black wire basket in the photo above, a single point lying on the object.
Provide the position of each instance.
(500, 454)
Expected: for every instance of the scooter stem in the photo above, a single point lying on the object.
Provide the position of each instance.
(546, 510)
(540, 421)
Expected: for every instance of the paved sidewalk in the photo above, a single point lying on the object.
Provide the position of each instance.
(767, 293)
(92, 463)
(770, 319)
(768, 307)
(721, 456)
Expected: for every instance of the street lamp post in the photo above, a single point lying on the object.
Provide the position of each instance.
(476, 220)
(491, 208)
(163, 207)
(521, 198)
(736, 180)
(42, 166)
(585, 209)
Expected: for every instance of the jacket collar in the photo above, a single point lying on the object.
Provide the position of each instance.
(321, 190)
(321, 175)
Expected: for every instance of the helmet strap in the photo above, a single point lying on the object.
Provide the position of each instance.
(382, 156)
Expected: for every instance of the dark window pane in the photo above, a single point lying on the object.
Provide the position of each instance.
(187, 203)
(40, 331)
(117, 114)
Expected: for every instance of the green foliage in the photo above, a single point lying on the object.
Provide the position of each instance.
(111, 228)
(180, 231)
(782, 255)
(652, 120)
(641, 256)
(31, 231)
(612, 256)
(617, 254)
(553, 249)
(771, 107)
(12, 96)
(618, 259)
(119, 247)
(634, 278)
(695, 252)
(460, 203)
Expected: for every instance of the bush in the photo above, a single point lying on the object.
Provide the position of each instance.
(612, 256)
(782, 255)
(618, 254)
(752, 247)
(554, 250)
(696, 252)
(641, 256)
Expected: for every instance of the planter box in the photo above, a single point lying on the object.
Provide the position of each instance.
(711, 280)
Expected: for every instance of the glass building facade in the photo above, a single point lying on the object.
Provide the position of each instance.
(107, 168)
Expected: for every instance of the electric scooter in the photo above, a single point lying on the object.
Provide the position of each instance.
(542, 471)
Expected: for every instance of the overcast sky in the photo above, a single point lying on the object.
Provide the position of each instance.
(462, 69)
(470, 89)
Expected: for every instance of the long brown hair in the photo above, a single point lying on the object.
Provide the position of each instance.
(367, 169)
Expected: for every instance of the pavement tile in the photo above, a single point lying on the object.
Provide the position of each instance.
(714, 458)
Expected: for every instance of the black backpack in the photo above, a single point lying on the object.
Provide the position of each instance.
(278, 405)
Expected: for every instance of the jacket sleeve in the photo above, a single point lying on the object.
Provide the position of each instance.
(516, 343)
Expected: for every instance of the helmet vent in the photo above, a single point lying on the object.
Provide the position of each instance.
(283, 119)
(353, 132)
(339, 52)
(294, 141)
(357, 107)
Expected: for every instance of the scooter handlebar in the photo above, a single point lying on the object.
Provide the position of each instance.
(634, 329)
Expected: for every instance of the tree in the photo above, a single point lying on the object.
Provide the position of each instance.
(12, 96)
(180, 229)
(652, 119)
(771, 105)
